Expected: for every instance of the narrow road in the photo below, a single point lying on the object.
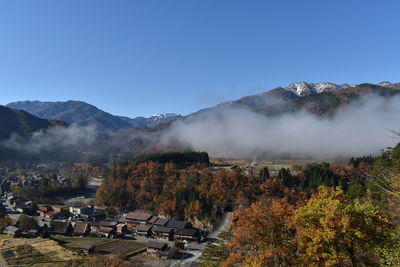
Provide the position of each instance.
(222, 227)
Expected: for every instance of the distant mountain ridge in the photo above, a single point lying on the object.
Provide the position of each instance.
(285, 98)
(84, 114)
(319, 98)
(21, 122)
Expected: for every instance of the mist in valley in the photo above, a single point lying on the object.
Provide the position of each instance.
(361, 128)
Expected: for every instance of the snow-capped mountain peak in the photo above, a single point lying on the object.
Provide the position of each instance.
(303, 88)
(163, 116)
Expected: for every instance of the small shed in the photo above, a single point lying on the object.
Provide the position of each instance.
(154, 246)
(13, 231)
(87, 248)
(33, 233)
(106, 232)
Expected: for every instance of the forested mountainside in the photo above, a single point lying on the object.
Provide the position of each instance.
(22, 123)
(84, 114)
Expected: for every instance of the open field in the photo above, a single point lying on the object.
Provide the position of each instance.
(35, 252)
(76, 242)
(255, 166)
(102, 245)
(120, 247)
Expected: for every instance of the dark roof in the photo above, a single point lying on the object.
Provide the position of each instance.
(153, 219)
(80, 227)
(164, 252)
(156, 245)
(187, 231)
(59, 227)
(161, 229)
(105, 230)
(177, 224)
(12, 229)
(138, 216)
(104, 223)
(53, 212)
(161, 221)
(86, 246)
(143, 228)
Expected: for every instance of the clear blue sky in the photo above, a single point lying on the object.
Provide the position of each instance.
(140, 57)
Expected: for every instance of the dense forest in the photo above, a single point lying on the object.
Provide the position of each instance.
(340, 215)
(325, 215)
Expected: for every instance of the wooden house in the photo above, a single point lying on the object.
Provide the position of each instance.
(138, 218)
(161, 221)
(143, 230)
(61, 228)
(159, 249)
(188, 234)
(82, 229)
(176, 224)
(161, 232)
(106, 232)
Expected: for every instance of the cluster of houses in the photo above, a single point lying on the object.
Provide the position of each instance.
(149, 225)
(82, 221)
(46, 220)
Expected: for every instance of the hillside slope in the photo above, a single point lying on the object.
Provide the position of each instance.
(21, 122)
(84, 114)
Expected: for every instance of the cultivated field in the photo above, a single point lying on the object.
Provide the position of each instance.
(34, 252)
(102, 245)
(76, 242)
(120, 247)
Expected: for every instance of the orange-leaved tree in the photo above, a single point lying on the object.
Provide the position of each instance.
(262, 236)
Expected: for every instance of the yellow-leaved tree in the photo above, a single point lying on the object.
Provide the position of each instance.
(334, 230)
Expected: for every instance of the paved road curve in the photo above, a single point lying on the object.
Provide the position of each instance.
(222, 227)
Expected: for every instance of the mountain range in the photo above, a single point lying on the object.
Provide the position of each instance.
(84, 114)
(21, 122)
(318, 98)
(128, 136)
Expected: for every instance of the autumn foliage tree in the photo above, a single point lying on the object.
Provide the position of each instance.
(334, 230)
(262, 235)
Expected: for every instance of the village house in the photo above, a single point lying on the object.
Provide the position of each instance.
(143, 230)
(188, 234)
(176, 224)
(82, 212)
(107, 224)
(52, 212)
(122, 228)
(137, 218)
(106, 232)
(153, 219)
(159, 249)
(27, 207)
(13, 231)
(161, 221)
(61, 228)
(81, 229)
(161, 232)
